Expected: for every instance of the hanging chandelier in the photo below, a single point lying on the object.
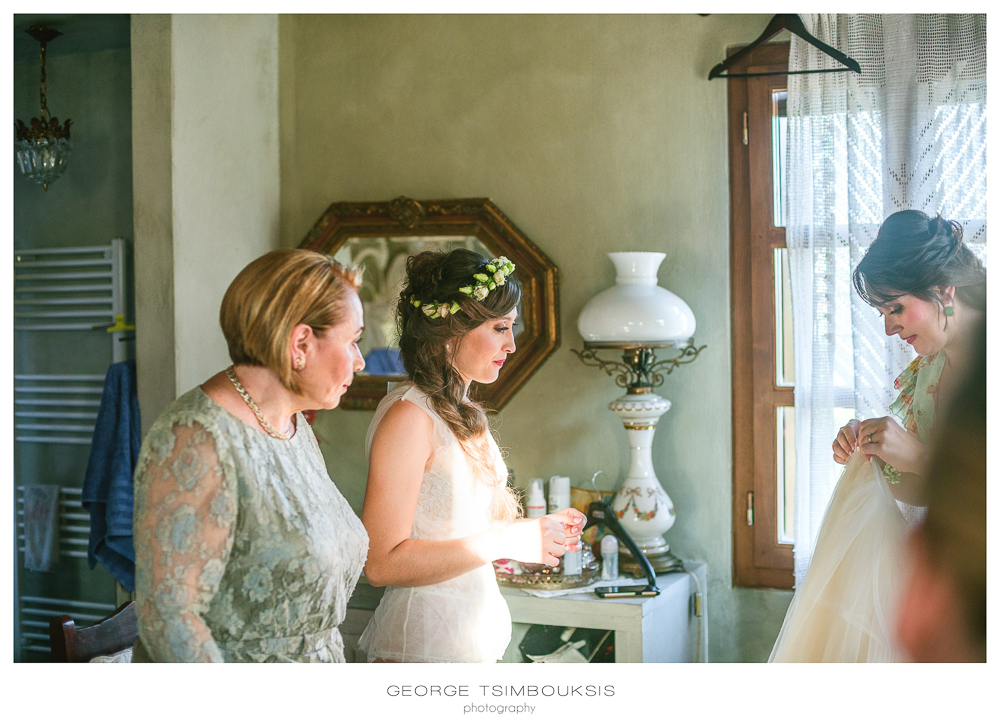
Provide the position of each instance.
(43, 148)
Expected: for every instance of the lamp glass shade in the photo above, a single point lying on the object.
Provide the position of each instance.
(635, 309)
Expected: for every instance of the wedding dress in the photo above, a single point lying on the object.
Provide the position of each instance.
(842, 610)
(464, 619)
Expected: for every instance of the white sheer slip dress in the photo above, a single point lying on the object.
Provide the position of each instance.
(842, 611)
(464, 619)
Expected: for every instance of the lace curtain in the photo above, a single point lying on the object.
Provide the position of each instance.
(908, 132)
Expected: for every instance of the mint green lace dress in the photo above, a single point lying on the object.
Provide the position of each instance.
(245, 549)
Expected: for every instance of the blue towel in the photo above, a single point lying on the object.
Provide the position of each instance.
(107, 484)
(384, 361)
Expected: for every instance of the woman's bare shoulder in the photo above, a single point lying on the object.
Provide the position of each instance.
(406, 415)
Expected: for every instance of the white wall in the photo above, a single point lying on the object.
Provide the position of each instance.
(207, 184)
(225, 179)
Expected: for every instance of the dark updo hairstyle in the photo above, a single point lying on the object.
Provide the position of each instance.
(914, 253)
(436, 276)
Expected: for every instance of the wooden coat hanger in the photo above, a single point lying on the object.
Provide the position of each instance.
(793, 24)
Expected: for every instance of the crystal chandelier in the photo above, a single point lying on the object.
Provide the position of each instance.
(43, 148)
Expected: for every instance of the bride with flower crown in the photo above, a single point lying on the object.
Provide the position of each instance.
(437, 507)
(929, 287)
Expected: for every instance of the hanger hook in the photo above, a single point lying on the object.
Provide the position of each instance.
(593, 481)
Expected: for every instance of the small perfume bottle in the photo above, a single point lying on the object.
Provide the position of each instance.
(609, 558)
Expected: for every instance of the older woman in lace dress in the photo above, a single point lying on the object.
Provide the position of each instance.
(245, 549)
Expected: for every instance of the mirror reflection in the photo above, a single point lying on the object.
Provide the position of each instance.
(382, 235)
(384, 261)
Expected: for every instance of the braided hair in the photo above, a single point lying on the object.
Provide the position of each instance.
(423, 340)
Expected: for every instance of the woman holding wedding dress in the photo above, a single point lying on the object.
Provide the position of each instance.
(929, 287)
(437, 507)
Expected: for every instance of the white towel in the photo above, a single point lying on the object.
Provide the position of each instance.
(41, 527)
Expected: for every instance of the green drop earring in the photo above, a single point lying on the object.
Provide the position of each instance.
(949, 311)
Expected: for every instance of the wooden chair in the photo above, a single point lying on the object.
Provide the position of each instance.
(108, 636)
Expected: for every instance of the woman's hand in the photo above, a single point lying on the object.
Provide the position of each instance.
(886, 438)
(543, 540)
(573, 521)
(845, 442)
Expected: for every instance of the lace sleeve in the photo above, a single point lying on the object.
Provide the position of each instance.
(184, 521)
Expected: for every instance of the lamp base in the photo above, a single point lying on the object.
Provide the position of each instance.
(665, 562)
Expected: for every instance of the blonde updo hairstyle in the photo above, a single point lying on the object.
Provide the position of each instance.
(275, 293)
(436, 276)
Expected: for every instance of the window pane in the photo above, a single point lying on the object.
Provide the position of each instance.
(779, 135)
(786, 475)
(784, 364)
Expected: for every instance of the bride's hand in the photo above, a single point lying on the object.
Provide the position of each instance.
(543, 540)
(886, 438)
(574, 521)
(845, 442)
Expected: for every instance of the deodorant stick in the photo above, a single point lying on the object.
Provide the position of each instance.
(609, 558)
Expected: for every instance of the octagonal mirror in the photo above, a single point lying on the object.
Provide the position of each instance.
(382, 235)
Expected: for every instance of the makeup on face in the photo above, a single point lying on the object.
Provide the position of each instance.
(336, 358)
(917, 322)
(481, 354)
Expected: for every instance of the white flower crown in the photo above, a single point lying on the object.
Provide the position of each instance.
(499, 269)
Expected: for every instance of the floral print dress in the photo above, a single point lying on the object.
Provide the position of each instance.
(245, 549)
(917, 399)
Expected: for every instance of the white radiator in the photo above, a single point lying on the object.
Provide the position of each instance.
(72, 288)
(56, 291)
(35, 613)
(74, 523)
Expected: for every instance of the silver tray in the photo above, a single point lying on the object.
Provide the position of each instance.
(546, 578)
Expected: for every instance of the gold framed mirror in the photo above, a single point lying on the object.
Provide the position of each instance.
(381, 235)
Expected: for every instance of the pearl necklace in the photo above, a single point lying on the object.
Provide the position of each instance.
(268, 427)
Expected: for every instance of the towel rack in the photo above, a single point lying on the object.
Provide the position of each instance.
(60, 294)
(72, 288)
(74, 523)
(35, 612)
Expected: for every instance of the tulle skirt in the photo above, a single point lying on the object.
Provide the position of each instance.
(842, 610)
(463, 620)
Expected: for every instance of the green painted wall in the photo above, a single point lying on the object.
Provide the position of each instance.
(594, 134)
(88, 206)
(92, 202)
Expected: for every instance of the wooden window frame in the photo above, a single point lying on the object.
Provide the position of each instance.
(759, 560)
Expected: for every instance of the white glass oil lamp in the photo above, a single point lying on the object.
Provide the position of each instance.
(637, 317)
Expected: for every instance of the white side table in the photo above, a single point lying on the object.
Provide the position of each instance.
(659, 629)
